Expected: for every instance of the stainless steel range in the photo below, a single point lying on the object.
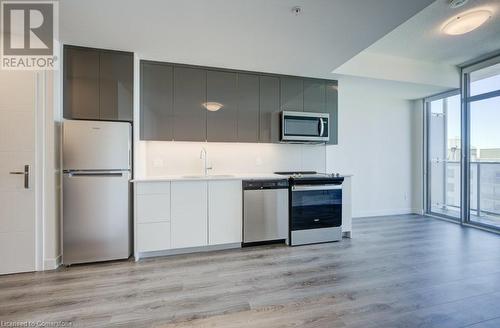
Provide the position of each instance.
(315, 207)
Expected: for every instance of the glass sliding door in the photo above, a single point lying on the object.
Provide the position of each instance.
(482, 108)
(443, 155)
(463, 148)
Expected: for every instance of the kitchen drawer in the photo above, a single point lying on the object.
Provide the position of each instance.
(145, 188)
(153, 208)
(153, 236)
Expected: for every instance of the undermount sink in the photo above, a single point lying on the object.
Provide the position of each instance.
(208, 176)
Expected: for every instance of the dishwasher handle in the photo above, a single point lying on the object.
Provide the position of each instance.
(263, 188)
(265, 184)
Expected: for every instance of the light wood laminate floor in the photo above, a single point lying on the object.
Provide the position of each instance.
(398, 271)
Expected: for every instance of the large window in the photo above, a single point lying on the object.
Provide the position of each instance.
(463, 148)
(482, 108)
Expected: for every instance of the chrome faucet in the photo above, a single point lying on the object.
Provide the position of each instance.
(204, 156)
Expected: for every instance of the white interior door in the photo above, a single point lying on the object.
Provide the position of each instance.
(17, 149)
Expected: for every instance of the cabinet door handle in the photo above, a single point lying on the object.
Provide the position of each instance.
(26, 174)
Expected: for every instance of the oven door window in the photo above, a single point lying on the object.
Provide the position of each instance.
(313, 209)
(302, 126)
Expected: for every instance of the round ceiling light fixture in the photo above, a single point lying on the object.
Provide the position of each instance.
(467, 22)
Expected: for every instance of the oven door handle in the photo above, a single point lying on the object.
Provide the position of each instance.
(316, 187)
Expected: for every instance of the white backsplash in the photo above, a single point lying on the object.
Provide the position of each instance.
(173, 158)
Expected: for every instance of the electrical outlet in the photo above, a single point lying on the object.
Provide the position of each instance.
(158, 162)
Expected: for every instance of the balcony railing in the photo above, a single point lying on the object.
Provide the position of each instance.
(485, 187)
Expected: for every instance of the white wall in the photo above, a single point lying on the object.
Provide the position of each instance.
(172, 158)
(52, 81)
(376, 145)
(51, 172)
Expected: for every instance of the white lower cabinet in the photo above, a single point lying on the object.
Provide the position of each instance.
(183, 214)
(224, 212)
(189, 214)
(153, 236)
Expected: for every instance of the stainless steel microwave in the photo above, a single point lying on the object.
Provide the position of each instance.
(304, 127)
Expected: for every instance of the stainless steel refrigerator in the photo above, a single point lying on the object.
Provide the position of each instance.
(96, 223)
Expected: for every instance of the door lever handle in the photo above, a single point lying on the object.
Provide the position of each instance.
(26, 174)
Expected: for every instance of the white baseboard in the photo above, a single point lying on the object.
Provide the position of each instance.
(187, 250)
(402, 211)
(52, 264)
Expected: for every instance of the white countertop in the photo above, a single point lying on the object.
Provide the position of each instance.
(194, 177)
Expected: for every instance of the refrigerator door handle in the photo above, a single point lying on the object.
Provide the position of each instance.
(95, 174)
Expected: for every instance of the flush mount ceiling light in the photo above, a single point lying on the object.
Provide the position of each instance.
(212, 106)
(466, 22)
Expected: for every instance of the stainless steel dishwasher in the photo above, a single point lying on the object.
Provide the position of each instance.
(265, 211)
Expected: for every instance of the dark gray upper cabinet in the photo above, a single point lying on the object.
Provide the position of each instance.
(292, 93)
(156, 101)
(190, 95)
(81, 83)
(222, 88)
(332, 108)
(175, 97)
(314, 96)
(248, 108)
(116, 86)
(269, 101)
(98, 84)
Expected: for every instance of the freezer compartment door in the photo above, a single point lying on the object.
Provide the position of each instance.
(96, 216)
(265, 215)
(96, 145)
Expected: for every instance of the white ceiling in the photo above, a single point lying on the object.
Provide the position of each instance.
(419, 52)
(261, 35)
(421, 37)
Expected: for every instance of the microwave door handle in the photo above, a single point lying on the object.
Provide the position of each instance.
(321, 127)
